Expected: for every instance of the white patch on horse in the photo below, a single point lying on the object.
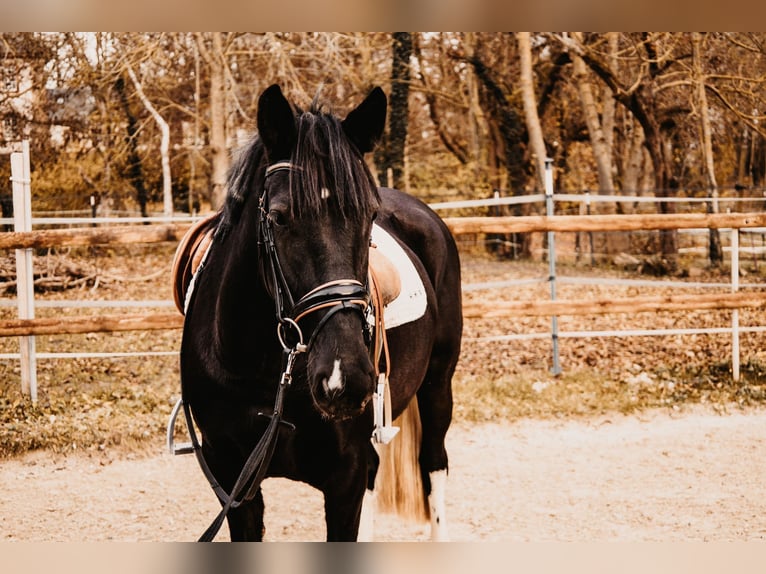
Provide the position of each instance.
(324, 193)
(439, 531)
(367, 520)
(335, 382)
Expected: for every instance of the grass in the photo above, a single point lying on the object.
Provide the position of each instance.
(125, 404)
(588, 392)
(91, 405)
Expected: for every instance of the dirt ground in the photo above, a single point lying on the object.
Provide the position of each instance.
(691, 475)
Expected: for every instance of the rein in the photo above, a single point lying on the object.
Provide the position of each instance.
(331, 297)
(254, 470)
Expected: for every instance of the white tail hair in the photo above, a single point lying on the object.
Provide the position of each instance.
(398, 484)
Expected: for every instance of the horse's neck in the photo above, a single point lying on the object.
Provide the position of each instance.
(245, 324)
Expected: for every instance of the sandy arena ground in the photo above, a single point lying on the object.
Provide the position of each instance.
(658, 476)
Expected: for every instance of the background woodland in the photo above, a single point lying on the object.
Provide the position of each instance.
(149, 122)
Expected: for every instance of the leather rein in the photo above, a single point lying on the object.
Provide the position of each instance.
(331, 297)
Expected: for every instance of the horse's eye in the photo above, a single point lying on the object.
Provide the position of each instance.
(277, 217)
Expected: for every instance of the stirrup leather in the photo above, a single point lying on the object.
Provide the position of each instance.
(384, 431)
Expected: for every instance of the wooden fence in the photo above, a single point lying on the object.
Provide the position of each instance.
(135, 234)
(458, 226)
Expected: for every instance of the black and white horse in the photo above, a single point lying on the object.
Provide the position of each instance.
(282, 349)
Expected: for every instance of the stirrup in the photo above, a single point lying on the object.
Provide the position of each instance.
(384, 432)
(183, 447)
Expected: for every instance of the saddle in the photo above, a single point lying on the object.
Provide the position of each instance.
(188, 256)
(385, 283)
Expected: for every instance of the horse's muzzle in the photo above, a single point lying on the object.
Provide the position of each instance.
(342, 388)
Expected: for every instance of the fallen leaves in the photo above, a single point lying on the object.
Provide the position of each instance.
(124, 403)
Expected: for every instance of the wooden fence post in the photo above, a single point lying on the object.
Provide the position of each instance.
(22, 213)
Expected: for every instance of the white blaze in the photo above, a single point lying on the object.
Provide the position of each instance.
(335, 381)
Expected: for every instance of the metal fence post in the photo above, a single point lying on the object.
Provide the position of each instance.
(552, 263)
(22, 213)
(735, 312)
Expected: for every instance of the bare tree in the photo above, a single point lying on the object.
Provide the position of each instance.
(715, 251)
(534, 129)
(134, 167)
(641, 95)
(211, 48)
(167, 186)
(602, 152)
(440, 101)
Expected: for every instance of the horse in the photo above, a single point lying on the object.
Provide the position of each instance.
(281, 366)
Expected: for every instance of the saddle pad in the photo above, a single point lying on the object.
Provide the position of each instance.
(410, 304)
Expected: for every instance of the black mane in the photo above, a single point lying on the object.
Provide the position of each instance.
(246, 173)
(327, 159)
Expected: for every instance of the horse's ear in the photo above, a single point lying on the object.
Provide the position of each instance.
(364, 124)
(276, 123)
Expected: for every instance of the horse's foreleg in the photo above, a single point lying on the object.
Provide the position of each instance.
(343, 503)
(246, 521)
(367, 520)
(369, 502)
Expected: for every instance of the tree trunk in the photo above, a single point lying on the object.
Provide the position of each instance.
(526, 84)
(399, 109)
(601, 151)
(479, 131)
(215, 60)
(715, 250)
(662, 183)
(603, 243)
(167, 184)
(135, 171)
(633, 160)
(641, 100)
(609, 105)
(509, 135)
(435, 111)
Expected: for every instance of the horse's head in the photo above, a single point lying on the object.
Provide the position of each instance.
(318, 203)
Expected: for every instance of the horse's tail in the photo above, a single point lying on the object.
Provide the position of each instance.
(398, 484)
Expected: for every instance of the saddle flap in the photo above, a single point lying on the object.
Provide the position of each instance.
(385, 282)
(188, 256)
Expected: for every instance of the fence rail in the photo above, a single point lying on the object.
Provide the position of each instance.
(172, 232)
(127, 234)
(458, 226)
(85, 236)
(90, 324)
(631, 222)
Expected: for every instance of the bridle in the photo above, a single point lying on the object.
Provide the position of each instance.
(331, 297)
